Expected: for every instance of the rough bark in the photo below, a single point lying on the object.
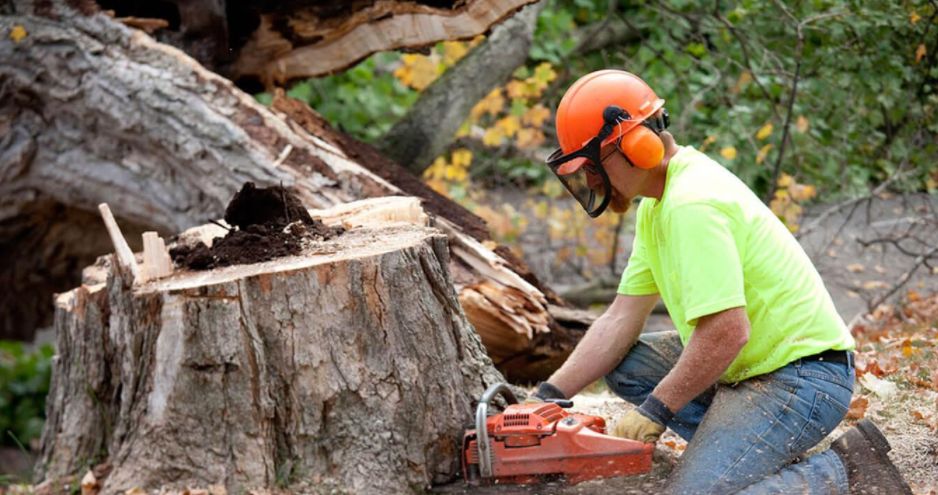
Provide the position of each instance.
(350, 366)
(92, 112)
(429, 126)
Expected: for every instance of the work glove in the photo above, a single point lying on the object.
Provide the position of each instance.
(544, 392)
(646, 423)
(635, 426)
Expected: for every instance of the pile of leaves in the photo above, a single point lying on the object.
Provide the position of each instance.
(897, 355)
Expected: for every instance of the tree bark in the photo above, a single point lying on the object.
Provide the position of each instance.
(350, 366)
(94, 112)
(429, 126)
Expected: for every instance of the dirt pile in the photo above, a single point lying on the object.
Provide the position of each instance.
(269, 223)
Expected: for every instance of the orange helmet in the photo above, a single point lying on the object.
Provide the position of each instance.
(600, 108)
(580, 115)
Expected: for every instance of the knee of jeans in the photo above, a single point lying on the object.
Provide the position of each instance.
(629, 386)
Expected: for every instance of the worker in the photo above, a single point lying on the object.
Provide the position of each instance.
(760, 368)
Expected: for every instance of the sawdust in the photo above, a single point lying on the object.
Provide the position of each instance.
(270, 223)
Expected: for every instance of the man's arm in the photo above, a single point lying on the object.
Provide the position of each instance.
(715, 343)
(606, 342)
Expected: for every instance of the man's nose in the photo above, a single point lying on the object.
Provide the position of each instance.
(594, 181)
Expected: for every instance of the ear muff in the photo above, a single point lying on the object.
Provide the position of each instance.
(642, 147)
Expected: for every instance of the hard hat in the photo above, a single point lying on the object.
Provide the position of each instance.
(600, 108)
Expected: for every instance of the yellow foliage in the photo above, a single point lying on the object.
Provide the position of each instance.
(763, 152)
(529, 137)
(765, 131)
(417, 71)
(729, 153)
(462, 158)
(535, 116)
(17, 33)
(786, 205)
(492, 104)
(801, 192)
(509, 125)
(920, 53)
(744, 79)
(519, 90)
(802, 124)
(493, 136)
(543, 75)
(453, 51)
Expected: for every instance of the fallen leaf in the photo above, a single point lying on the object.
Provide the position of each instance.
(17, 33)
(89, 484)
(882, 388)
(858, 407)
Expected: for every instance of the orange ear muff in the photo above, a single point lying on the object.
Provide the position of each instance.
(642, 147)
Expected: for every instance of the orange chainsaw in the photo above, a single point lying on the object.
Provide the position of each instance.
(528, 443)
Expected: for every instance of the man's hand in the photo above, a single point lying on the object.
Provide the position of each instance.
(544, 392)
(635, 426)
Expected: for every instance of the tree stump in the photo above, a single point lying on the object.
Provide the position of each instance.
(351, 365)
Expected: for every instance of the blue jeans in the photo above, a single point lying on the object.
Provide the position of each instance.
(743, 438)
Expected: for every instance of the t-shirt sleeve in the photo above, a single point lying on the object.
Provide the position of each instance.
(637, 279)
(709, 270)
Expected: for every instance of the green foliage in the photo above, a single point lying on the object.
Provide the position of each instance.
(24, 383)
(363, 101)
(867, 81)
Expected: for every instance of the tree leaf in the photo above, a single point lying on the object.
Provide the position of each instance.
(765, 131)
(17, 33)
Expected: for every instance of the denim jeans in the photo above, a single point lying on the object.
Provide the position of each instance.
(743, 438)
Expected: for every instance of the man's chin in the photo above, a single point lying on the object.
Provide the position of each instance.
(619, 204)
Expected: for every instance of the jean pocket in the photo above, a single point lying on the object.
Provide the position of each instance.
(826, 413)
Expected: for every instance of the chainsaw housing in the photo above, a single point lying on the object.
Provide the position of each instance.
(529, 442)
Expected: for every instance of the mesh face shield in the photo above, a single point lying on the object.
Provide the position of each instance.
(581, 172)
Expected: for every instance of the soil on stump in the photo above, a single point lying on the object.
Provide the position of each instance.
(269, 223)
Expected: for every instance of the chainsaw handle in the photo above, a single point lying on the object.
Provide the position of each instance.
(482, 434)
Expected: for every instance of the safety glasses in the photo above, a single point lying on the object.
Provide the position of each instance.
(582, 173)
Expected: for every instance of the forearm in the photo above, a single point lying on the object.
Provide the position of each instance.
(713, 346)
(605, 344)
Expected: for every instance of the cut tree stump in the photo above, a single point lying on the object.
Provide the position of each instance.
(351, 366)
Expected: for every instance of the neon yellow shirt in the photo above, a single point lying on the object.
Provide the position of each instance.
(710, 245)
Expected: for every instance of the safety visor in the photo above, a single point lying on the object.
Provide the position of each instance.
(581, 172)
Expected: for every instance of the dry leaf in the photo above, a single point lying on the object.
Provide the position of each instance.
(882, 388)
(858, 408)
(17, 33)
(875, 284)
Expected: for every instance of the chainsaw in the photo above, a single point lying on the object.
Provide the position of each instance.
(529, 443)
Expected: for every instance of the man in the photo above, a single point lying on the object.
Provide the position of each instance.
(760, 368)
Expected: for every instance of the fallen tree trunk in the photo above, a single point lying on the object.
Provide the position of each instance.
(350, 366)
(94, 112)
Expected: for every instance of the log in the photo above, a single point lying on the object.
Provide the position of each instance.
(350, 366)
(95, 112)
